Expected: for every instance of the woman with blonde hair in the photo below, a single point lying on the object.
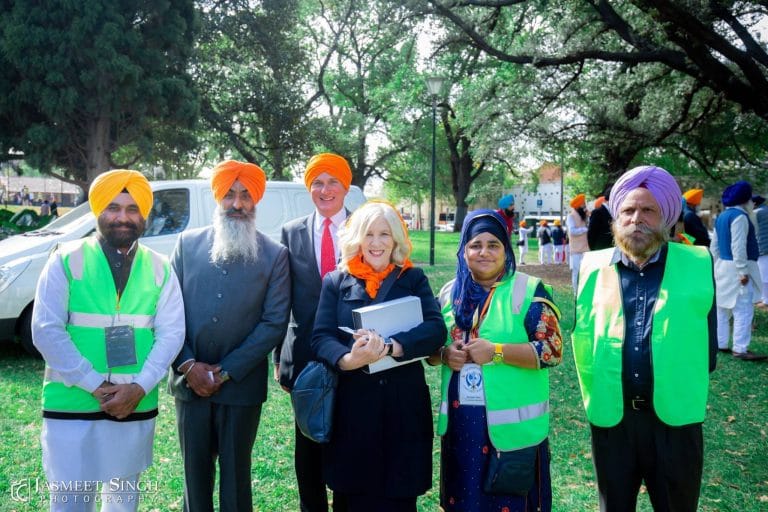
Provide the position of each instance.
(380, 455)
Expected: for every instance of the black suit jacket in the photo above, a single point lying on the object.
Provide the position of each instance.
(235, 312)
(599, 235)
(295, 352)
(382, 425)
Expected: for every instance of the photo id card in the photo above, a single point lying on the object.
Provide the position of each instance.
(121, 346)
(471, 385)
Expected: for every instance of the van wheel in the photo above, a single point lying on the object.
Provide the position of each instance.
(25, 333)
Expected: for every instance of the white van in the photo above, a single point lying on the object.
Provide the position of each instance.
(178, 206)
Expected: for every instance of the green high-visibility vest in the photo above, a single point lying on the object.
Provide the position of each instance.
(516, 399)
(679, 337)
(93, 306)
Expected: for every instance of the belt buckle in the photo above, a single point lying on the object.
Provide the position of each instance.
(639, 403)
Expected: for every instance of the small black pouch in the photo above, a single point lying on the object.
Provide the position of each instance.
(511, 472)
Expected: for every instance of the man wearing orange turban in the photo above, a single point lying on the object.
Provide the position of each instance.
(599, 232)
(692, 222)
(312, 243)
(108, 320)
(236, 286)
(576, 224)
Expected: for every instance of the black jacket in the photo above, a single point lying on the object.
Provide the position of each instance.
(382, 426)
(599, 235)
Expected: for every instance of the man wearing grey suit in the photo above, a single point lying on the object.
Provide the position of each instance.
(312, 244)
(236, 286)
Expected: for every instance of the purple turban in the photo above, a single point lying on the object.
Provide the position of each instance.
(658, 181)
(736, 194)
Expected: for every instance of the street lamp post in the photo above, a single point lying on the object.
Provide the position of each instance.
(435, 86)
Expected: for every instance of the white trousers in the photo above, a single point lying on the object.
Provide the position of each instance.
(523, 252)
(742, 314)
(545, 254)
(116, 495)
(576, 258)
(559, 254)
(762, 263)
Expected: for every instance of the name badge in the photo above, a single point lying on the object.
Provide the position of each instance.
(471, 385)
(121, 346)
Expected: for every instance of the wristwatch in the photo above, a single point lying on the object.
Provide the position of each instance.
(390, 343)
(498, 353)
(224, 376)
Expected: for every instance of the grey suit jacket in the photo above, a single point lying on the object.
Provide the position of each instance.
(298, 236)
(236, 313)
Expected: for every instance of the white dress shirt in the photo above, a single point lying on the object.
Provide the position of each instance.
(337, 221)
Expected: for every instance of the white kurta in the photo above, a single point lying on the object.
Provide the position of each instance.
(102, 449)
(728, 273)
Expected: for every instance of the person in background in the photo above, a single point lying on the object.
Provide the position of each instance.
(639, 307)
(599, 233)
(379, 458)
(313, 247)
(691, 220)
(761, 226)
(45, 209)
(507, 212)
(108, 320)
(523, 233)
(236, 286)
(54, 207)
(576, 224)
(545, 243)
(558, 241)
(737, 276)
(503, 337)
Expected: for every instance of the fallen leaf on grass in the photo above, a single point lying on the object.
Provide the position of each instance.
(731, 419)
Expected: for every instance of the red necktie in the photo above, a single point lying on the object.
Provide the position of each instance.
(327, 252)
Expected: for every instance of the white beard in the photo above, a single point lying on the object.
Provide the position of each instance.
(233, 238)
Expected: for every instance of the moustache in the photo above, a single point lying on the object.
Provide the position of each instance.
(129, 225)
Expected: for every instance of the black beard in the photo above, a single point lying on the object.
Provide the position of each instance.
(120, 240)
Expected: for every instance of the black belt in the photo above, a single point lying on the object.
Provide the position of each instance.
(639, 404)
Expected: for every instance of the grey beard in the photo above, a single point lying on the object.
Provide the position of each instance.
(233, 239)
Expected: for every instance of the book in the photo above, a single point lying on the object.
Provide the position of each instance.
(388, 318)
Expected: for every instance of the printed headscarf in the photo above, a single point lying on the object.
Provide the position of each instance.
(335, 165)
(658, 182)
(250, 175)
(467, 295)
(108, 185)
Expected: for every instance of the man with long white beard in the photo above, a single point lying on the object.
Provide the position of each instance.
(644, 343)
(236, 283)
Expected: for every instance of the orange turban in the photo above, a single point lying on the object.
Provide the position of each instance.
(543, 222)
(229, 171)
(599, 202)
(579, 200)
(108, 185)
(694, 196)
(522, 224)
(334, 165)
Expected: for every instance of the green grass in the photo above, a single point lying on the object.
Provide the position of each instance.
(736, 438)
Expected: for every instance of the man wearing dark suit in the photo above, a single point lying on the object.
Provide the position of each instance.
(599, 231)
(327, 177)
(236, 288)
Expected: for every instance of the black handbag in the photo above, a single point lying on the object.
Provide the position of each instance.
(313, 396)
(511, 472)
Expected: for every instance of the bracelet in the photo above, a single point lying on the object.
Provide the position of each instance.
(190, 368)
(442, 352)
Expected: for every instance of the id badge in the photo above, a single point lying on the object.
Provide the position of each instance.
(121, 346)
(471, 385)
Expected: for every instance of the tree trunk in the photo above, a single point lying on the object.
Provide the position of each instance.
(97, 146)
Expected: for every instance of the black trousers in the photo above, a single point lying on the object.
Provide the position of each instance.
(368, 503)
(208, 431)
(308, 462)
(641, 449)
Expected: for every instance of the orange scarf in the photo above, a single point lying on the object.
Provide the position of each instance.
(361, 270)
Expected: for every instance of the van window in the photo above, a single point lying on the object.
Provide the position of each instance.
(170, 212)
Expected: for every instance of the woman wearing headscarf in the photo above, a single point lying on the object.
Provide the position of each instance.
(380, 454)
(503, 335)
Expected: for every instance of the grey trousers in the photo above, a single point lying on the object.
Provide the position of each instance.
(208, 431)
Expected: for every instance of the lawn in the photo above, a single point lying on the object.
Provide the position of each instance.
(736, 439)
